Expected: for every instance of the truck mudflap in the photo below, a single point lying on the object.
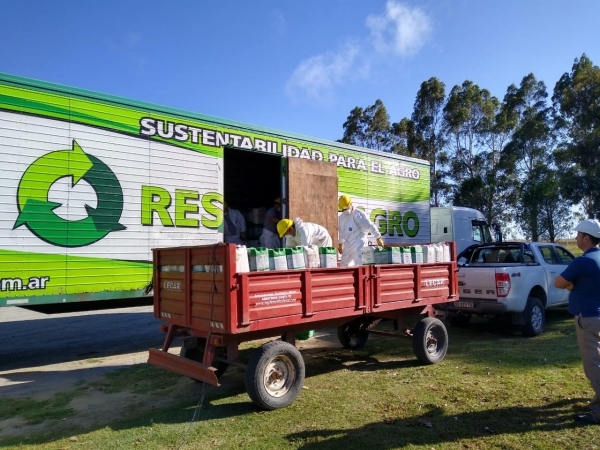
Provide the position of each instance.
(182, 366)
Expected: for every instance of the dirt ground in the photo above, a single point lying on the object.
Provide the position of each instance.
(42, 355)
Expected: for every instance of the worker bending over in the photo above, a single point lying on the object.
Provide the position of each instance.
(353, 227)
(299, 233)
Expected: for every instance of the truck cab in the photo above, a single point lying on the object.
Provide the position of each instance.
(465, 226)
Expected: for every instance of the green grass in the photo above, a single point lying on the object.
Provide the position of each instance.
(494, 390)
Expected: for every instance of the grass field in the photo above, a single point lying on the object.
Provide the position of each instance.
(494, 390)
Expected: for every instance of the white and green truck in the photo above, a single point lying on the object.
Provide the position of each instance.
(91, 183)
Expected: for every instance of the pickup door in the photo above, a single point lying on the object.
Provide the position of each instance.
(555, 260)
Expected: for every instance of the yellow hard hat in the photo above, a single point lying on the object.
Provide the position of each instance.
(278, 200)
(344, 202)
(283, 225)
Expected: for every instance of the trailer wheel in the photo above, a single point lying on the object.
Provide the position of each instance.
(535, 317)
(353, 334)
(430, 340)
(275, 375)
(197, 354)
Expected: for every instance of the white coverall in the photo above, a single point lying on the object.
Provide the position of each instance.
(309, 234)
(239, 223)
(353, 229)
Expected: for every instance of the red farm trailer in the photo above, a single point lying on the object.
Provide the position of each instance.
(201, 297)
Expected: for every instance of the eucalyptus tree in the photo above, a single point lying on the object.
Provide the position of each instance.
(428, 140)
(369, 127)
(476, 132)
(576, 100)
(530, 150)
(468, 112)
(491, 189)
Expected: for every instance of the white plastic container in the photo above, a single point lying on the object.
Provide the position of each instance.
(295, 258)
(406, 256)
(439, 252)
(258, 259)
(368, 255)
(328, 256)
(428, 253)
(277, 259)
(388, 255)
(446, 250)
(416, 252)
(311, 256)
(241, 259)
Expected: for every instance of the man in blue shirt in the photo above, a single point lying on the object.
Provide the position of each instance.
(582, 278)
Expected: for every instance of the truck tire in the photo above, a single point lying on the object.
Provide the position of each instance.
(535, 317)
(353, 335)
(275, 375)
(197, 354)
(430, 340)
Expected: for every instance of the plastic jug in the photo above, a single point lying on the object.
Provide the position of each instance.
(258, 259)
(416, 252)
(295, 258)
(241, 259)
(328, 256)
(368, 256)
(406, 255)
(277, 259)
(388, 255)
(311, 256)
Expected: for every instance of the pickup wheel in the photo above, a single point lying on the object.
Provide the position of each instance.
(430, 340)
(535, 317)
(275, 375)
(353, 335)
(197, 354)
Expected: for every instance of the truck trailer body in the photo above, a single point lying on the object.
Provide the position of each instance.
(91, 183)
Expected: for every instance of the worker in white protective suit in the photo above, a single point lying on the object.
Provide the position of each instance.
(353, 227)
(299, 233)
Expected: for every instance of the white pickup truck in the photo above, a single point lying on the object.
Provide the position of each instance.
(515, 278)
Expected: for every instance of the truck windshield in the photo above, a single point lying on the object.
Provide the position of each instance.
(481, 232)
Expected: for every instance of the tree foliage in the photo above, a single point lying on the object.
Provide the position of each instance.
(522, 160)
(577, 103)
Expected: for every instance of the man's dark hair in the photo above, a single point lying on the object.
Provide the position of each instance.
(594, 240)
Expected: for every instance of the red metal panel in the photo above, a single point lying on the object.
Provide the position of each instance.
(435, 280)
(182, 366)
(237, 303)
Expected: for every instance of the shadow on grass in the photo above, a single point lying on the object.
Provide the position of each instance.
(480, 343)
(435, 427)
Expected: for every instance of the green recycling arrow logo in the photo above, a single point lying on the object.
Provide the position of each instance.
(37, 213)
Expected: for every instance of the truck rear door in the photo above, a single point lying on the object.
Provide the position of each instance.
(477, 282)
(312, 193)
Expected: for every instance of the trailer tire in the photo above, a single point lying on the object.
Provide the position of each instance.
(430, 340)
(353, 335)
(275, 375)
(535, 317)
(197, 354)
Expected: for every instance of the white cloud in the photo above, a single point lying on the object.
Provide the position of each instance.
(399, 31)
(279, 22)
(402, 30)
(316, 76)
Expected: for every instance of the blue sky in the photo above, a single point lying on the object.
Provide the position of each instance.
(293, 66)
